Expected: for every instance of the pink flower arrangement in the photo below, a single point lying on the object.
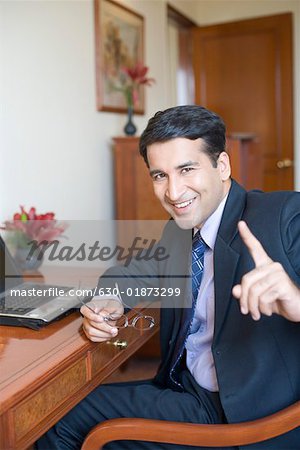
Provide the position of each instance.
(132, 78)
(29, 226)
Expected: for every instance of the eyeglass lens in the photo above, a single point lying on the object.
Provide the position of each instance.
(139, 322)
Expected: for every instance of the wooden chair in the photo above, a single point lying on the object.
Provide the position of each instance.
(225, 435)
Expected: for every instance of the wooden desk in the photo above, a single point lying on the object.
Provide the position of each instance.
(43, 374)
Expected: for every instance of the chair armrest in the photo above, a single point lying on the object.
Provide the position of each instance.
(194, 434)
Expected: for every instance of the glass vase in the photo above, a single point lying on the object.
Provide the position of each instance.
(130, 128)
(28, 261)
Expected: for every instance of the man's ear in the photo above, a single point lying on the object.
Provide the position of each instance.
(224, 166)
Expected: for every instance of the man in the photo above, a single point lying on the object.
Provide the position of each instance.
(235, 354)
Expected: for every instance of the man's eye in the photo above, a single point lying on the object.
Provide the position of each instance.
(187, 169)
(158, 176)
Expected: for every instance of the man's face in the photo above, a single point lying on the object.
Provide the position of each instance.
(185, 181)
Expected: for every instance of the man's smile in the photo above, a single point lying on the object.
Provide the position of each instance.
(182, 205)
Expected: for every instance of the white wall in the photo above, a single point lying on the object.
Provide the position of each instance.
(55, 147)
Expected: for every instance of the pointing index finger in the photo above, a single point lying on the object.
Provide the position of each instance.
(256, 250)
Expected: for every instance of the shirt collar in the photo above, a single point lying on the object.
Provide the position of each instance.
(210, 227)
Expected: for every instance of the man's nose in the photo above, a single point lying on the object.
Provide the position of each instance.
(175, 189)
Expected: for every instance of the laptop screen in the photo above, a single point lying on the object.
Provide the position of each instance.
(10, 276)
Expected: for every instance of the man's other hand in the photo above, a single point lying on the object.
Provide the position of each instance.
(266, 289)
(94, 312)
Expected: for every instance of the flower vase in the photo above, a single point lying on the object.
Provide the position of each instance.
(130, 128)
(28, 261)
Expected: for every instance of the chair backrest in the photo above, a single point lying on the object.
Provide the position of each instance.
(225, 435)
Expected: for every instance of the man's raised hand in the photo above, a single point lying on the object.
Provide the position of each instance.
(266, 289)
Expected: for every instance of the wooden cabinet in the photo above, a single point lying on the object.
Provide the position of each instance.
(137, 210)
(133, 186)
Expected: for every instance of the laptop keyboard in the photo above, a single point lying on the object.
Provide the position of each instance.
(25, 303)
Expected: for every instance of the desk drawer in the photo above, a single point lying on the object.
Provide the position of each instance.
(28, 414)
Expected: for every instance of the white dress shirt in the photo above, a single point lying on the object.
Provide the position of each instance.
(198, 345)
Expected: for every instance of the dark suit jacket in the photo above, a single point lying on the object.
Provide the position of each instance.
(257, 362)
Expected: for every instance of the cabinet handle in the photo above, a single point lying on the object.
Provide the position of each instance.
(284, 163)
(119, 343)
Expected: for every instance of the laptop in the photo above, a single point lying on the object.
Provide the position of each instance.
(30, 304)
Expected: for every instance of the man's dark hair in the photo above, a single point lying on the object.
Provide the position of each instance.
(190, 122)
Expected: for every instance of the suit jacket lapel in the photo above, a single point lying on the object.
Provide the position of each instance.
(225, 257)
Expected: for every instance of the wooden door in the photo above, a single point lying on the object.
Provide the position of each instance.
(243, 71)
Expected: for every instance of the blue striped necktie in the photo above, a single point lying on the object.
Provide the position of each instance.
(198, 249)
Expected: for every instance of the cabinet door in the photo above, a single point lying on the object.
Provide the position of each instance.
(139, 213)
(135, 199)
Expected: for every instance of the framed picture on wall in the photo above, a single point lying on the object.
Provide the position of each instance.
(119, 34)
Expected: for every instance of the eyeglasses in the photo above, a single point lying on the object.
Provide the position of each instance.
(140, 321)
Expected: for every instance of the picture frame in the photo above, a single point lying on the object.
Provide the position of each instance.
(119, 34)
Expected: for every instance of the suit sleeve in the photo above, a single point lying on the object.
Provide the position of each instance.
(290, 224)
